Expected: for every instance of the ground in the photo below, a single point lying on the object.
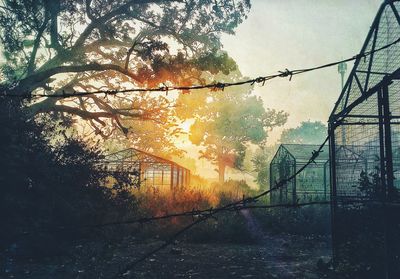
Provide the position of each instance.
(275, 256)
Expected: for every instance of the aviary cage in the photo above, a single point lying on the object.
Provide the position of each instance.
(365, 155)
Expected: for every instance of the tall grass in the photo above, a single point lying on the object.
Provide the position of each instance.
(199, 195)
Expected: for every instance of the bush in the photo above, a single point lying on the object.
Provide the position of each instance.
(304, 221)
(48, 181)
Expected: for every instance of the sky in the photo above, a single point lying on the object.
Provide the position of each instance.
(297, 34)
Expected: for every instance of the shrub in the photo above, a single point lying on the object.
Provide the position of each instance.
(48, 181)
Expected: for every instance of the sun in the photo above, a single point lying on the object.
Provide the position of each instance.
(185, 126)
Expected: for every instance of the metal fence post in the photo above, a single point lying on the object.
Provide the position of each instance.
(332, 156)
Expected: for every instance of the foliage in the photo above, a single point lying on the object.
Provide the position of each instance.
(307, 133)
(261, 162)
(370, 184)
(225, 228)
(155, 135)
(226, 122)
(312, 220)
(64, 45)
(49, 180)
(233, 190)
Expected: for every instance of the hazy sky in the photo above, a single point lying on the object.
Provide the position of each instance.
(296, 34)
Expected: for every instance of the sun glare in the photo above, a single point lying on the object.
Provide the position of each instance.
(185, 126)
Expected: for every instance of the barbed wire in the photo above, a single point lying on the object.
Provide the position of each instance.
(214, 86)
(237, 205)
(203, 218)
(203, 215)
(200, 216)
(195, 212)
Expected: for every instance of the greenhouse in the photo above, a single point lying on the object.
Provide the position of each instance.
(312, 184)
(147, 169)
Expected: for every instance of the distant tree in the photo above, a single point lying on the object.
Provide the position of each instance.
(261, 162)
(225, 122)
(66, 45)
(307, 133)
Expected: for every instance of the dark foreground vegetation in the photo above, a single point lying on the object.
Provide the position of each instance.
(51, 193)
(51, 200)
(49, 180)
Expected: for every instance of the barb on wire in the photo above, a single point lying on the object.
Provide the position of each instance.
(214, 86)
(286, 73)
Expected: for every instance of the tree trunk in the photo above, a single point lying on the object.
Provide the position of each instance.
(221, 172)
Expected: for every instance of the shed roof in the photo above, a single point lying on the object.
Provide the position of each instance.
(304, 151)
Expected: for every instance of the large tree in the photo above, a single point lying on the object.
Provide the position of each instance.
(56, 46)
(226, 122)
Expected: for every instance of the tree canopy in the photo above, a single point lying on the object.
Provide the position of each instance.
(307, 133)
(63, 45)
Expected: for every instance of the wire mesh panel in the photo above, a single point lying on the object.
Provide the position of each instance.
(282, 166)
(313, 183)
(365, 163)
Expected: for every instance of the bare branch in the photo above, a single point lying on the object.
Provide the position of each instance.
(130, 50)
(82, 113)
(38, 79)
(97, 23)
(88, 10)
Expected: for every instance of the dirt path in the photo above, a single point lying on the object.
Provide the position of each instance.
(279, 257)
(274, 256)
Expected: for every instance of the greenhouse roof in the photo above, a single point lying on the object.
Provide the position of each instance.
(136, 156)
(305, 151)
